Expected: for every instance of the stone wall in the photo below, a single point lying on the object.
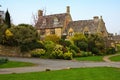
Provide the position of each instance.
(58, 31)
(12, 51)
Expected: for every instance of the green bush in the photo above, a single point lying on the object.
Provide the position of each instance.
(110, 51)
(3, 60)
(38, 53)
(31, 46)
(49, 46)
(65, 43)
(95, 51)
(85, 54)
(74, 54)
(83, 45)
(65, 49)
(75, 48)
(67, 55)
(57, 52)
(52, 37)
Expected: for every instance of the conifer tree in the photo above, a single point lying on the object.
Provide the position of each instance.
(7, 19)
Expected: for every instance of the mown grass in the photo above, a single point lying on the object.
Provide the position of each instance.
(115, 58)
(90, 58)
(14, 64)
(98, 73)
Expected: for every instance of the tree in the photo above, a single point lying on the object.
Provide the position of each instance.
(23, 34)
(96, 43)
(78, 37)
(2, 33)
(7, 19)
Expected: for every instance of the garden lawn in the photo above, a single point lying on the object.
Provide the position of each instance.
(115, 58)
(98, 73)
(90, 58)
(13, 64)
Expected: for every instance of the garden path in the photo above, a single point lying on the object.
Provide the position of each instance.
(52, 64)
(106, 58)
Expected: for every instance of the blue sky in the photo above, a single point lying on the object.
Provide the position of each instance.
(21, 10)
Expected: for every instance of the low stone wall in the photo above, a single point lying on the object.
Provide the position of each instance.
(12, 51)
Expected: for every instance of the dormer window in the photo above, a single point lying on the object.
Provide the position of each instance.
(44, 22)
(55, 20)
(86, 33)
(71, 32)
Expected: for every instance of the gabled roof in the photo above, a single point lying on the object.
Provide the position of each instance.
(47, 21)
(79, 26)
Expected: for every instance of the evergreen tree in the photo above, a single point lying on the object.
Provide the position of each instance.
(7, 19)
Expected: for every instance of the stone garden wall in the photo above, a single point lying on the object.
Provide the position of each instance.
(12, 51)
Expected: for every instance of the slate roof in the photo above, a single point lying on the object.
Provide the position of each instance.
(78, 26)
(116, 37)
(48, 21)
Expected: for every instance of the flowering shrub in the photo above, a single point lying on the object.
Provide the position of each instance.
(38, 53)
(8, 33)
(57, 52)
(67, 55)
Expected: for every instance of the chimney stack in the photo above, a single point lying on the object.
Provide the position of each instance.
(96, 18)
(40, 13)
(68, 9)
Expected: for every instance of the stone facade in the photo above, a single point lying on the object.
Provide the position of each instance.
(95, 25)
(2, 15)
(60, 24)
(53, 24)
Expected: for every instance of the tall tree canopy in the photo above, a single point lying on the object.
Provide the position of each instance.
(7, 19)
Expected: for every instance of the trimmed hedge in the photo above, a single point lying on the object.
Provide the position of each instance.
(3, 60)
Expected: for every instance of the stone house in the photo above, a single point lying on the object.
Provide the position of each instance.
(95, 25)
(62, 24)
(53, 24)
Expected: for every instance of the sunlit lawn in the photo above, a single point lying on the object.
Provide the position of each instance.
(90, 58)
(13, 64)
(115, 58)
(98, 73)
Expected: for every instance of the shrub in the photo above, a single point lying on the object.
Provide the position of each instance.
(57, 52)
(3, 60)
(31, 45)
(38, 53)
(72, 51)
(83, 46)
(67, 55)
(118, 47)
(53, 38)
(85, 54)
(65, 49)
(65, 43)
(49, 46)
(111, 50)
(75, 48)
(95, 51)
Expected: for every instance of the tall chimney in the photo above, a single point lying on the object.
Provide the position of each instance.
(40, 13)
(96, 18)
(68, 9)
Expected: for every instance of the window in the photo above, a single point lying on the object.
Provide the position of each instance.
(42, 32)
(86, 33)
(70, 33)
(44, 22)
(55, 21)
(52, 31)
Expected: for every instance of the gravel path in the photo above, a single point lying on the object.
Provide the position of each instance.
(106, 58)
(44, 64)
